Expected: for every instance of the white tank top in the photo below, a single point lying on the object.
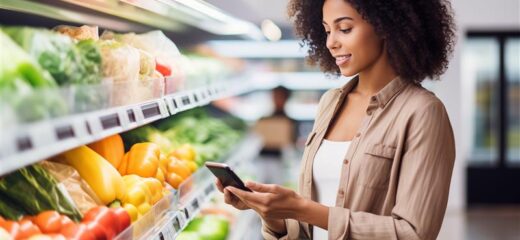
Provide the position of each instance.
(326, 172)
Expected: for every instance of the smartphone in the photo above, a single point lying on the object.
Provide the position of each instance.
(226, 176)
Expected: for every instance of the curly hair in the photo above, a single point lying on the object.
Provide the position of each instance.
(419, 34)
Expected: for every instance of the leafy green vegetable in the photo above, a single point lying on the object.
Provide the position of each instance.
(36, 190)
(9, 210)
(90, 58)
(18, 72)
(59, 55)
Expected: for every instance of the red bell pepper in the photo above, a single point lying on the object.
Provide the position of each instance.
(123, 218)
(77, 232)
(105, 219)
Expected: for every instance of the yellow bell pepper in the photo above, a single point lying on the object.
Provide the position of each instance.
(132, 211)
(100, 175)
(142, 159)
(155, 187)
(139, 193)
(185, 152)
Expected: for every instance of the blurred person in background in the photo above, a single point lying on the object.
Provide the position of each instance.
(278, 133)
(379, 160)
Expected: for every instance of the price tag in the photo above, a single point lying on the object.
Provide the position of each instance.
(172, 105)
(176, 224)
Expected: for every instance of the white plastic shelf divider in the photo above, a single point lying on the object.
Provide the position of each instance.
(198, 189)
(27, 144)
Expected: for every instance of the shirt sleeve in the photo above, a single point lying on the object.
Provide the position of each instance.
(422, 190)
(294, 231)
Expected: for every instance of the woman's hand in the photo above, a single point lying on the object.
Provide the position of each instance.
(269, 201)
(231, 199)
(274, 203)
(276, 225)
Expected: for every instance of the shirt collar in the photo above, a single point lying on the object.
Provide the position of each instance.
(383, 96)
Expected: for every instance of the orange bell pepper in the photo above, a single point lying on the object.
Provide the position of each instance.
(111, 148)
(142, 159)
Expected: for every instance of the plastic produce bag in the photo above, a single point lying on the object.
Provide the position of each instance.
(58, 54)
(26, 90)
(80, 33)
(169, 61)
(35, 190)
(80, 192)
(121, 64)
(18, 71)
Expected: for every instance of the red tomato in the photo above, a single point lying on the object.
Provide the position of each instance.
(106, 219)
(65, 221)
(123, 218)
(12, 228)
(48, 221)
(27, 229)
(27, 217)
(56, 236)
(77, 232)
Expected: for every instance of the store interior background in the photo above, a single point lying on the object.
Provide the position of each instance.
(496, 216)
(483, 105)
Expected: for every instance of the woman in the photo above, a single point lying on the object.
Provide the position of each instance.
(378, 162)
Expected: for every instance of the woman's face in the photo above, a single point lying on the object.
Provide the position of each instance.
(350, 39)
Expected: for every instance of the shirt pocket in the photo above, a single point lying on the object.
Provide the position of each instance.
(376, 164)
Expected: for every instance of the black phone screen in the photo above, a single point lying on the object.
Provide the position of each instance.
(226, 176)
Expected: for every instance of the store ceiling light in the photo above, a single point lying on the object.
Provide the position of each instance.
(271, 31)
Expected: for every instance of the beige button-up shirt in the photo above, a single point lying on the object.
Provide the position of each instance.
(396, 175)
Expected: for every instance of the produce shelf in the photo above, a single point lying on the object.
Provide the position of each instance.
(198, 190)
(25, 144)
(136, 15)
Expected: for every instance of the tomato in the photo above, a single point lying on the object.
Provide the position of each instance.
(48, 221)
(65, 221)
(106, 219)
(27, 229)
(77, 232)
(27, 217)
(123, 218)
(12, 228)
(47, 237)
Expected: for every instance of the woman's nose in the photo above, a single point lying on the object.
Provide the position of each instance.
(332, 42)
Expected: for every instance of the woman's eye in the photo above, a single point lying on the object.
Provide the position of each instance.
(327, 32)
(346, 30)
